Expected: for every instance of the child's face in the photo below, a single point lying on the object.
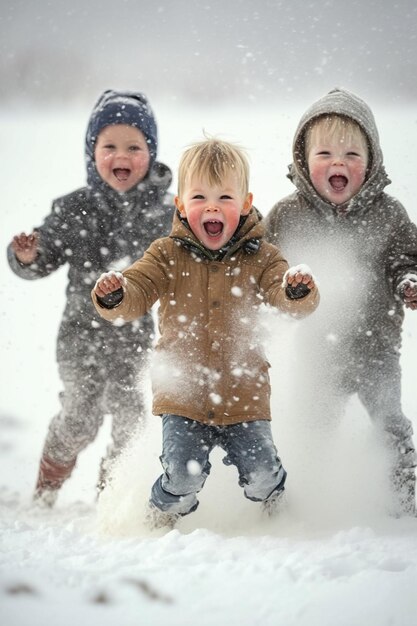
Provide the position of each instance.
(337, 166)
(213, 212)
(122, 156)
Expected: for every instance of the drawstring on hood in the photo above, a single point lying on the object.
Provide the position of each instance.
(344, 103)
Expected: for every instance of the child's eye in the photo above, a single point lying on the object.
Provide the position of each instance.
(323, 153)
(134, 148)
(109, 146)
(198, 196)
(353, 154)
(225, 196)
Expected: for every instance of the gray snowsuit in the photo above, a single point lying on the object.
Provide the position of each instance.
(360, 252)
(92, 230)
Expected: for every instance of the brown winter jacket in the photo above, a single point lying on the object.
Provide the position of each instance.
(209, 364)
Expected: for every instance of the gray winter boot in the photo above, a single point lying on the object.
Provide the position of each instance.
(155, 518)
(51, 477)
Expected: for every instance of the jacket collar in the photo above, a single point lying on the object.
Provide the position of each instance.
(247, 236)
(154, 185)
(372, 187)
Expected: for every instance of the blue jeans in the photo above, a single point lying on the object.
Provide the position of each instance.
(185, 458)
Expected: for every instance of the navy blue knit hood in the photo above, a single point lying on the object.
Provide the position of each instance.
(119, 107)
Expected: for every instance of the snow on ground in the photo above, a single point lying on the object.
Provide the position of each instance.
(333, 556)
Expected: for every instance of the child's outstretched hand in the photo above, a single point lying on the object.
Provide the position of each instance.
(299, 281)
(109, 282)
(408, 291)
(26, 247)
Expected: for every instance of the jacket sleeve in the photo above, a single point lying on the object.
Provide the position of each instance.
(402, 250)
(23, 270)
(275, 294)
(146, 280)
(53, 244)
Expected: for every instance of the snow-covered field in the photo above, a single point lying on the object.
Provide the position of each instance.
(333, 557)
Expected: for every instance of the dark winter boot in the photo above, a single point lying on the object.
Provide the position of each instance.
(404, 487)
(51, 477)
(403, 477)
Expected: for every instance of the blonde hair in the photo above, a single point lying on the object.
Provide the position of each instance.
(335, 126)
(213, 160)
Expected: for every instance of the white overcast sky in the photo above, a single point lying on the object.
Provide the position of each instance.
(208, 50)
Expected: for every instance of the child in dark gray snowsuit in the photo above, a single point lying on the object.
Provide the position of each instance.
(107, 224)
(351, 229)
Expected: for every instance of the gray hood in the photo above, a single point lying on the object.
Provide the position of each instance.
(340, 102)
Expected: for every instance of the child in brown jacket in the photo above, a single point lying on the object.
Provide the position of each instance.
(210, 378)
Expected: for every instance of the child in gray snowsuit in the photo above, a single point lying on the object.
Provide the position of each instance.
(350, 228)
(107, 224)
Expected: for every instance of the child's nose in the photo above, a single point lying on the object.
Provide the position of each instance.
(121, 152)
(338, 159)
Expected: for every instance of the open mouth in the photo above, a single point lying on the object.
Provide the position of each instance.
(338, 182)
(213, 228)
(121, 173)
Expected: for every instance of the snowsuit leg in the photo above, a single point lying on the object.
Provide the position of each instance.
(90, 392)
(70, 431)
(380, 393)
(321, 372)
(185, 458)
(126, 404)
(81, 415)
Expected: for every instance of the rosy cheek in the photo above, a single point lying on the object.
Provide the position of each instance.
(142, 161)
(104, 157)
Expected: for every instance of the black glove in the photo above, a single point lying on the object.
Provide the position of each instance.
(111, 299)
(300, 290)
